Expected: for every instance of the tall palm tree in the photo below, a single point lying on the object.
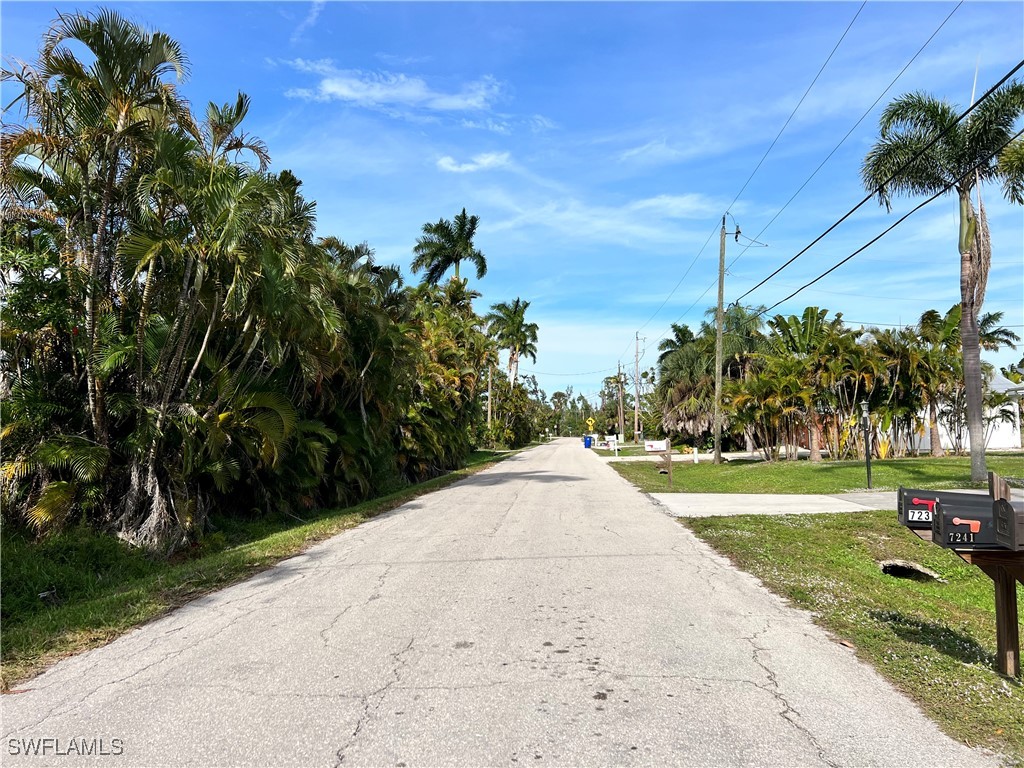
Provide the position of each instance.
(507, 324)
(966, 155)
(681, 336)
(447, 244)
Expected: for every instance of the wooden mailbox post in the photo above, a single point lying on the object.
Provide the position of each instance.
(664, 449)
(1002, 560)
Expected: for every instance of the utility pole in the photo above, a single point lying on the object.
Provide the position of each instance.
(490, 370)
(636, 382)
(719, 322)
(622, 411)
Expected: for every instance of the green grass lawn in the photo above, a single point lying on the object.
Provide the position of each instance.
(934, 641)
(101, 588)
(823, 477)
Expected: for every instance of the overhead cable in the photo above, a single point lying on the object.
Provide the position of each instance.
(891, 176)
(849, 132)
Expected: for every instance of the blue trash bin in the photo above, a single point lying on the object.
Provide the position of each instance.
(588, 441)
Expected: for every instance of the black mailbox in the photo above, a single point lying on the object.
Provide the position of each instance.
(1009, 524)
(915, 508)
(964, 525)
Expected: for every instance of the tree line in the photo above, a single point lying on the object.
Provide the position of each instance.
(800, 380)
(177, 338)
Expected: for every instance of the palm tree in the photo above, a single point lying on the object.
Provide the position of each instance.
(96, 116)
(809, 339)
(681, 336)
(939, 369)
(446, 244)
(965, 155)
(993, 336)
(507, 324)
(686, 383)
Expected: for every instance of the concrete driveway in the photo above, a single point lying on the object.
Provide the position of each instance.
(724, 504)
(543, 612)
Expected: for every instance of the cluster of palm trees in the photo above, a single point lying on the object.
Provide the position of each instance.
(799, 380)
(175, 335)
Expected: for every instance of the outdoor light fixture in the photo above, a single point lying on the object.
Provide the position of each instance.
(866, 423)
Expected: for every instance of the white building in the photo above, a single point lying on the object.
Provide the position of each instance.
(999, 434)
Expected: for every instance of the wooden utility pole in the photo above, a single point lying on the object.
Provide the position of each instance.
(636, 401)
(719, 322)
(622, 410)
(490, 370)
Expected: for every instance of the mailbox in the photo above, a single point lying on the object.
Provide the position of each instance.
(915, 508)
(1009, 524)
(964, 526)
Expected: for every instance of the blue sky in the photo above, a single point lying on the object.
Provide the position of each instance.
(600, 145)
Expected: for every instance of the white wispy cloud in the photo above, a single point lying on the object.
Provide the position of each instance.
(389, 89)
(656, 151)
(309, 21)
(393, 60)
(662, 152)
(691, 206)
(539, 124)
(507, 124)
(490, 124)
(482, 162)
(650, 222)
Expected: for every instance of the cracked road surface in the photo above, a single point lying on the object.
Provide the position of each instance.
(540, 612)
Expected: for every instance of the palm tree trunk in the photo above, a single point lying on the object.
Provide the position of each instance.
(814, 427)
(969, 334)
(202, 349)
(972, 383)
(97, 399)
(140, 335)
(933, 428)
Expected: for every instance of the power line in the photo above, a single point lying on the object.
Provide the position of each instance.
(760, 162)
(797, 107)
(582, 373)
(905, 325)
(918, 299)
(672, 292)
(891, 176)
(849, 132)
(819, 167)
(809, 178)
(889, 229)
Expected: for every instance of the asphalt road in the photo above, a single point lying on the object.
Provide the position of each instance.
(543, 612)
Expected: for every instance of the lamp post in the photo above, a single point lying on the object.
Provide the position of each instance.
(866, 423)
